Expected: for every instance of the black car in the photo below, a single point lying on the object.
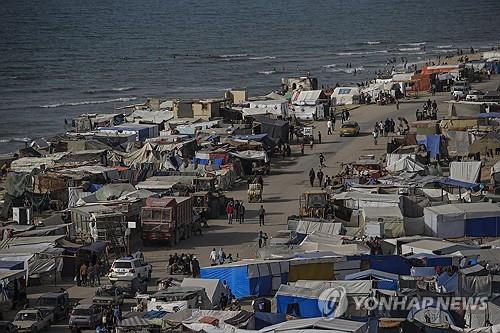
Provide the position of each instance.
(56, 303)
(7, 327)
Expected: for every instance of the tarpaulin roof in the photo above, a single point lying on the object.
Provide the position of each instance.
(335, 325)
(255, 155)
(95, 247)
(372, 273)
(455, 183)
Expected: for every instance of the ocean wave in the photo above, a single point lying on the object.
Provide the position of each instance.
(330, 66)
(262, 58)
(446, 50)
(444, 46)
(407, 49)
(110, 90)
(8, 140)
(267, 72)
(346, 70)
(413, 44)
(236, 55)
(115, 100)
(373, 43)
(356, 53)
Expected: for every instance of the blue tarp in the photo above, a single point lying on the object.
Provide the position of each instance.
(433, 260)
(450, 283)
(383, 280)
(264, 319)
(489, 115)
(456, 183)
(389, 263)
(217, 162)
(239, 280)
(11, 265)
(94, 187)
(432, 143)
(482, 227)
(298, 306)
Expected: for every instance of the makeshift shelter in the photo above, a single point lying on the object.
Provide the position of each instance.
(383, 280)
(275, 128)
(474, 281)
(388, 219)
(430, 313)
(405, 164)
(226, 321)
(318, 325)
(213, 287)
(446, 221)
(313, 266)
(482, 316)
(345, 96)
(466, 171)
(432, 144)
(298, 301)
(487, 144)
(250, 277)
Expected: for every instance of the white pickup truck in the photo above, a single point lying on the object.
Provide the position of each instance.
(32, 321)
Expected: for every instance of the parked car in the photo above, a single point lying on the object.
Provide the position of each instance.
(350, 128)
(108, 295)
(474, 95)
(7, 327)
(54, 304)
(85, 316)
(129, 268)
(31, 320)
(459, 92)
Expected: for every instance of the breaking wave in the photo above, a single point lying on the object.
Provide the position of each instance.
(7, 140)
(357, 53)
(373, 43)
(408, 49)
(330, 66)
(110, 90)
(444, 46)
(346, 70)
(446, 50)
(236, 55)
(115, 100)
(267, 72)
(262, 58)
(414, 44)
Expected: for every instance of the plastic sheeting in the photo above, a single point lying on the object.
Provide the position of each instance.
(253, 155)
(432, 144)
(458, 143)
(406, 164)
(213, 287)
(250, 278)
(445, 221)
(465, 171)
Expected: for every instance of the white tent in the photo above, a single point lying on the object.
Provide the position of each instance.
(465, 171)
(390, 217)
(345, 95)
(445, 221)
(213, 287)
(406, 164)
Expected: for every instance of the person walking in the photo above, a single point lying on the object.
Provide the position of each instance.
(265, 239)
(302, 148)
(321, 160)
(261, 239)
(397, 104)
(312, 175)
(91, 275)
(375, 136)
(319, 137)
(213, 257)
(320, 177)
(83, 273)
(262, 214)
(241, 213)
(195, 267)
(230, 212)
(221, 256)
(333, 122)
(329, 126)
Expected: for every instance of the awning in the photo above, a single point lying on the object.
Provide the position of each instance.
(95, 247)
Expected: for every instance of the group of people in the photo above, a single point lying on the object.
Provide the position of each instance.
(236, 210)
(220, 257)
(323, 181)
(186, 263)
(429, 111)
(89, 274)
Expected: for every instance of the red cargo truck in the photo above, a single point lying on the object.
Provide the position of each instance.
(167, 219)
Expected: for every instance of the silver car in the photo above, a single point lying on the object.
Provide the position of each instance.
(85, 316)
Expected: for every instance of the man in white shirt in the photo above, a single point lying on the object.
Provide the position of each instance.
(329, 125)
(213, 257)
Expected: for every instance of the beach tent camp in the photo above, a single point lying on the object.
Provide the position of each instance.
(345, 96)
(250, 277)
(383, 280)
(213, 287)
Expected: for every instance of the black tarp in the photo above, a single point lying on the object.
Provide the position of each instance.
(275, 128)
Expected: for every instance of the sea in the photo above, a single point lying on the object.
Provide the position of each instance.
(62, 58)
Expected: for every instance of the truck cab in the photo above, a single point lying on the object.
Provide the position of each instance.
(314, 203)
